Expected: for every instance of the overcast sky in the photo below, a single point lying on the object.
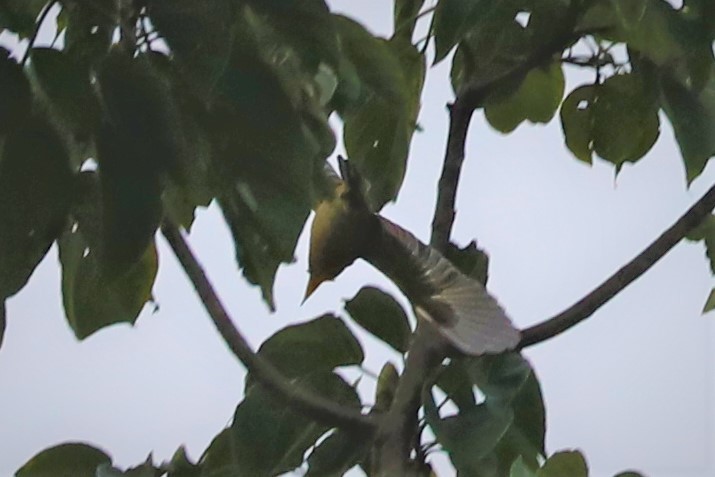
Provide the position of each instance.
(632, 387)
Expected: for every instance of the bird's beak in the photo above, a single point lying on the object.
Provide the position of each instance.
(313, 284)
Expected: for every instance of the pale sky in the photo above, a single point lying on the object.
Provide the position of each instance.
(632, 387)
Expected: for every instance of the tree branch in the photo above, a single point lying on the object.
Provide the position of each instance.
(459, 119)
(586, 306)
(300, 399)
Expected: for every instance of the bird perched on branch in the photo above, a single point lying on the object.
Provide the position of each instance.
(345, 229)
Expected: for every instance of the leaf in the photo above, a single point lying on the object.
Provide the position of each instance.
(625, 119)
(456, 383)
(321, 344)
(35, 195)
(629, 474)
(536, 100)
(692, 115)
(66, 85)
(65, 460)
(15, 96)
(470, 260)
(337, 454)
(405, 18)
(709, 303)
(577, 121)
(19, 15)
(181, 466)
(379, 125)
(387, 383)
(381, 315)
(264, 163)
(520, 469)
(470, 436)
(199, 35)
(268, 438)
(453, 19)
(3, 322)
(88, 29)
(93, 300)
(306, 25)
(569, 463)
(138, 142)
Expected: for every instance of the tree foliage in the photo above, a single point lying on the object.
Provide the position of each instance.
(147, 109)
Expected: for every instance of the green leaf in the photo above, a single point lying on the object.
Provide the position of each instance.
(405, 18)
(569, 463)
(66, 85)
(88, 28)
(692, 115)
(470, 436)
(268, 438)
(379, 125)
(456, 383)
(470, 260)
(35, 195)
(577, 121)
(19, 15)
(630, 474)
(218, 459)
(625, 119)
(387, 383)
(381, 315)
(709, 303)
(15, 96)
(199, 35)
(337, 454)
(92, 300)
(306, 25)
(139, 141)
(181, 466)
(3, 322)
(536, 100)
(321, 344)
(265, 163)
(65, 460)
(520, 469)
(453, 19)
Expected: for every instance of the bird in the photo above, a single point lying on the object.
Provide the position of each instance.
(344, 229)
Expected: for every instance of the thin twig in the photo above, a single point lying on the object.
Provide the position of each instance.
(586, 306)
(308, 403)
(38, 24)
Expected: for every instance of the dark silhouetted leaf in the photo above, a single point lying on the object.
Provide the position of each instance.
(381, 315)
(405, 18)
(692, 115)
(710, 302)
(67, 87)
(321, 344)
(265, 165)
(456, 383)
(577, 122)
(15, 97)
(386, 387)
(88, 28)
(19, 15)
(181, 466)
(35, 195)
(337, 454)
(268, 438)
(569, 463)
(138, 143)
(536, 100)
(630, 474)
(199, 35)
(65, 460)
(625, 119)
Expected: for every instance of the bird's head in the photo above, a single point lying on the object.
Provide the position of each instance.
(342, 229)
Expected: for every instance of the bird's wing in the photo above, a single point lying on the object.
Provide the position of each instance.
(464, 312)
